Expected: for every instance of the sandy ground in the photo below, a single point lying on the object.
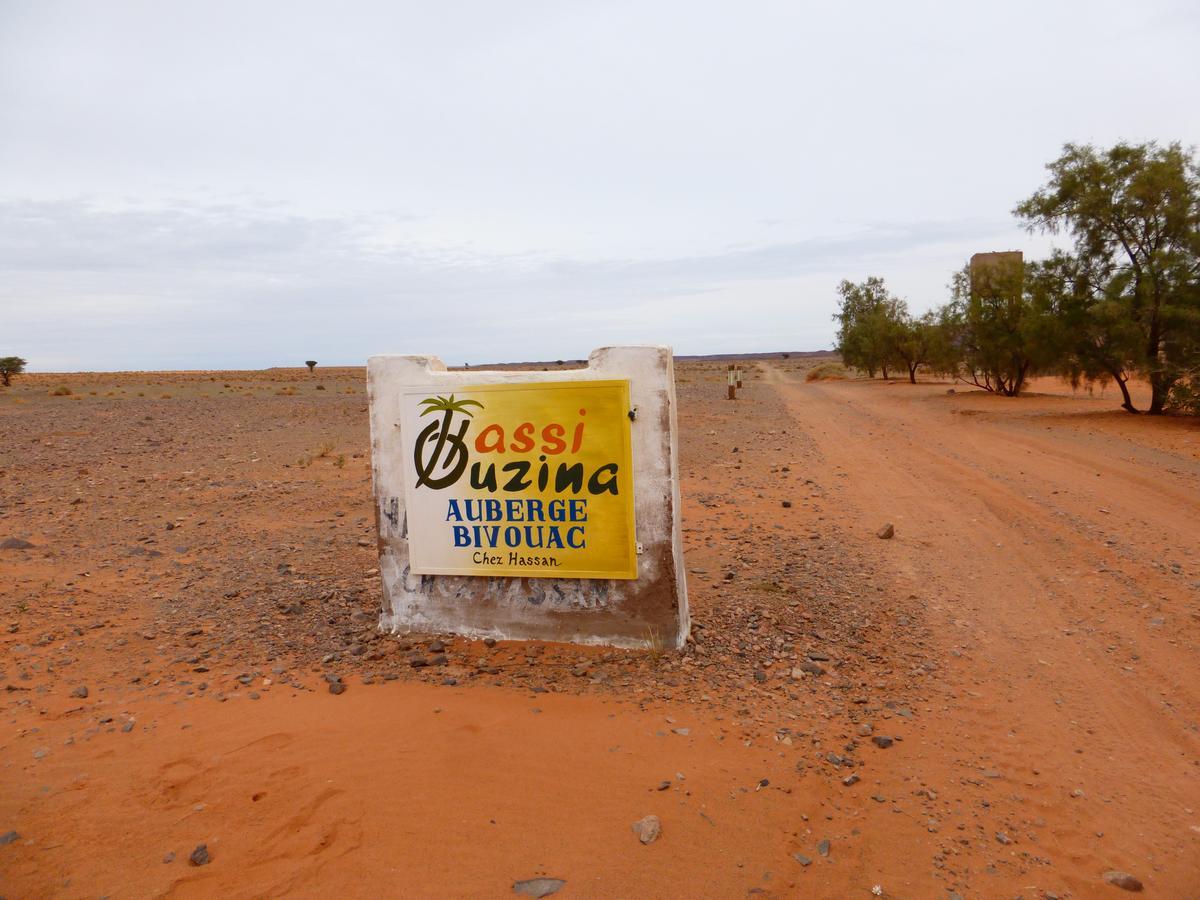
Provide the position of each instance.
(202, 563)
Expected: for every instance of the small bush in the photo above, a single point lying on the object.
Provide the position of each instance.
(827, 372)
(61, 391)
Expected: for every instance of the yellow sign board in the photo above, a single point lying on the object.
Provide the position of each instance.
(520, 480)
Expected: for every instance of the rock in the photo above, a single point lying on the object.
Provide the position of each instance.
(1002, 838)
(787, 504)
(882, 741)
(81, 692)
(538, 887)
(15, 544)
(418, 662)
(823, 847)
(357, 649)
(850, 780)
(865, 729)
(199, 856)
(489, 642)
(437, 647)
(169, 858)
(812, 668)
(664, 785)
(647, 829)
(1123, 880)
(760, 676)
(439, 660)
(336, 687)
(887, 532)
(8, 837)
(802, 859)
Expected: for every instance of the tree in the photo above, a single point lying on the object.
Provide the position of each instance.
(1100, 343)
(312, 364)
(870, 326)
(1133, 212)
(10, 366)
(920, 342)
(1003, 332)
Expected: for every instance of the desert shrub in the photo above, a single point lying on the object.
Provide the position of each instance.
(830, 371)
(10, 366)
(61, 391)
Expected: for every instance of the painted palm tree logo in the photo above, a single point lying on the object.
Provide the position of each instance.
(433, 469)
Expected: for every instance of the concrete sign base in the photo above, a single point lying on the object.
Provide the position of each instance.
(649, 610)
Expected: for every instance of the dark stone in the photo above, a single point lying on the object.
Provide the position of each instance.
(15, 544)
(881, 741)
(887, 532)
(199, 856)
(437, 647)
(418, 662)
(81, 692)
(823, 848)
(1124, 881)
(336, 687)
(439, 660)
(787, 504)
(802, 859)
(8, 837)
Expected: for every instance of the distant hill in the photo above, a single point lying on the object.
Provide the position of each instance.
(791, 354)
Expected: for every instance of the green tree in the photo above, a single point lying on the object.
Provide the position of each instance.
(1130, 288)
(312, 364)
(870, 326)
(921, 342)
(10, 366)
(1003, 331)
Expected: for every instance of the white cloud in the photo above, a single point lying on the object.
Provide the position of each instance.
(211, 184)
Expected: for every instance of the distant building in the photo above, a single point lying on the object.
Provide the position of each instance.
(997, 273)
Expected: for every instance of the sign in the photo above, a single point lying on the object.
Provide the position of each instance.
(523, 480)
(530, 503)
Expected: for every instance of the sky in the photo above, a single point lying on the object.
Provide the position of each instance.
(199, 185)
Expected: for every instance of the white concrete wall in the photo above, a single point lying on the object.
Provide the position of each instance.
(650, 610)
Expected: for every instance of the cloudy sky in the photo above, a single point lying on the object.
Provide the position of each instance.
(203, 185)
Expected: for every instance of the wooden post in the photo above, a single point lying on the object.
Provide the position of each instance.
(738, 370)
(732, 384)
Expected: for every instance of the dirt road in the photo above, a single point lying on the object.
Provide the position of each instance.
(199, 557)
(1057, 551)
